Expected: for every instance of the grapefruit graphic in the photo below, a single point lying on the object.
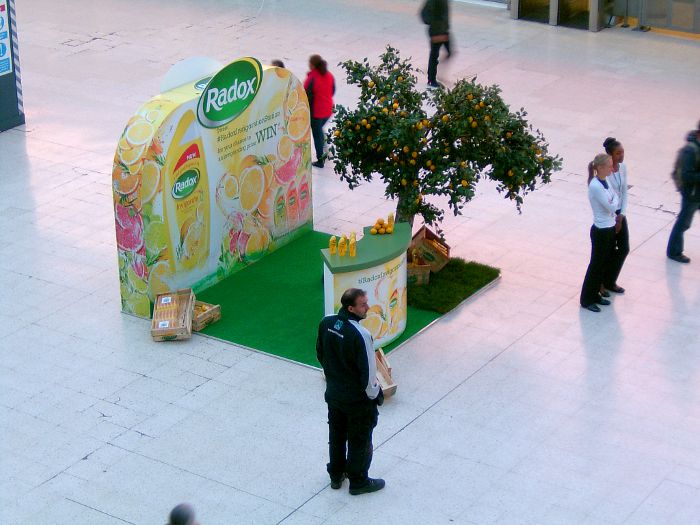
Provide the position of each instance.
(129, 228)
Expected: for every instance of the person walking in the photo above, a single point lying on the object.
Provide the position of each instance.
(346, 352)
(320, 88)
(436, 15)
(689, 164)
(604, 202)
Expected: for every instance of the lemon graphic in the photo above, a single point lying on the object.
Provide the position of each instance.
(131, 154)
(231, 187)
(156, 236)
(292, 100)
(375, 324)
(140, 132)
(252, 188)
(156, 280)
(257, 244)
(152, 115)
(150, 180)
(284, 148)
(139, 304)
(298, 124)
(137, 283)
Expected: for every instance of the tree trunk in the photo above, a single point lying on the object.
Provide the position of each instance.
(402, 211)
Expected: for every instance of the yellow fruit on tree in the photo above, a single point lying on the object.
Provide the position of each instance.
(412, 162)
(474, 124)
(406, 149)
(395, 105)
(371, 83)
(445, 118)
(337, 133)
(464, 183)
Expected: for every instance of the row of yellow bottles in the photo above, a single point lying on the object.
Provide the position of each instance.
(343, 247)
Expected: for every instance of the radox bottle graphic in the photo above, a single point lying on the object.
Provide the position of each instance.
(186, 195)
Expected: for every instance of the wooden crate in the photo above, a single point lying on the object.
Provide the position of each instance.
(205, 314)
(172, 315)
(430, 248)
(384, 373)
(417, 270)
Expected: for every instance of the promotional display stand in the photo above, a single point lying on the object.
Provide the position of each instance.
(379, 268)
(210, 176)
(11, 108)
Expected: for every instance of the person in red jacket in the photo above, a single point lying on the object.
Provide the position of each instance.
(320, 88)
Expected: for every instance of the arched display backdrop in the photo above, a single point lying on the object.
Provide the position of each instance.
(209, 177)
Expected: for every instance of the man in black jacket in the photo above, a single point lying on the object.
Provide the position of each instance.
(435, 14)
(346, 351)
(690, 196)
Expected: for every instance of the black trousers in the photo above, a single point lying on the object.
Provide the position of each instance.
(433, 59)
(317, 132)
(350, 440)
(599, 269)
(621, 249)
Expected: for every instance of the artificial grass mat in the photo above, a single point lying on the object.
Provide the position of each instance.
(450, 286)
(275, 305)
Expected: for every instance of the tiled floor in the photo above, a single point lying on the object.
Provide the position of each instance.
(518, 408)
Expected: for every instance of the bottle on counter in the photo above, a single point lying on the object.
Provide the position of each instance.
(343, 246)
(333, 245)
(352, 246)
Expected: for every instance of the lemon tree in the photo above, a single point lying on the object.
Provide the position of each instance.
(433, 144)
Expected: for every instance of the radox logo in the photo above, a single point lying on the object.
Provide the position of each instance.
(229, 92)
(185, 184)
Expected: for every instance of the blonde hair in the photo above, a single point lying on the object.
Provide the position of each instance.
(600, 160)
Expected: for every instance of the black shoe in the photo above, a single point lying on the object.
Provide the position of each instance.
(604, 293)
(337, 483)
(372, 485)
(592, 307)
(317, 164)
(679, 258)
(435, 85)
(602, 301)
(615, 289)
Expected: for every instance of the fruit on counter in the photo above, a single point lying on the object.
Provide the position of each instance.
(382, 227)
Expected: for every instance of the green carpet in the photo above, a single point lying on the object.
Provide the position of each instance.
(275, 305)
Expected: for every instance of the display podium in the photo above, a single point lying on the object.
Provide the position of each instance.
(379, 268)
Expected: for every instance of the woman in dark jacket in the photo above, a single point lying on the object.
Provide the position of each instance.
(320, 88)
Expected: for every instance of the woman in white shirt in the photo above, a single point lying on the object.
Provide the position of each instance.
(618, 183)
(604, 203)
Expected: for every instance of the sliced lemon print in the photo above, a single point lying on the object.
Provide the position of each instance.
(156, 236)
(152, 115)
(375, 324)
(252, 188)
(284, 148)
(292, 100)
(130, 155)
(150, 180)
(157, 279)
(231, 187)
(257, 244)
(139, 132)
(139, 304)
(137, 283)
(298, 124)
